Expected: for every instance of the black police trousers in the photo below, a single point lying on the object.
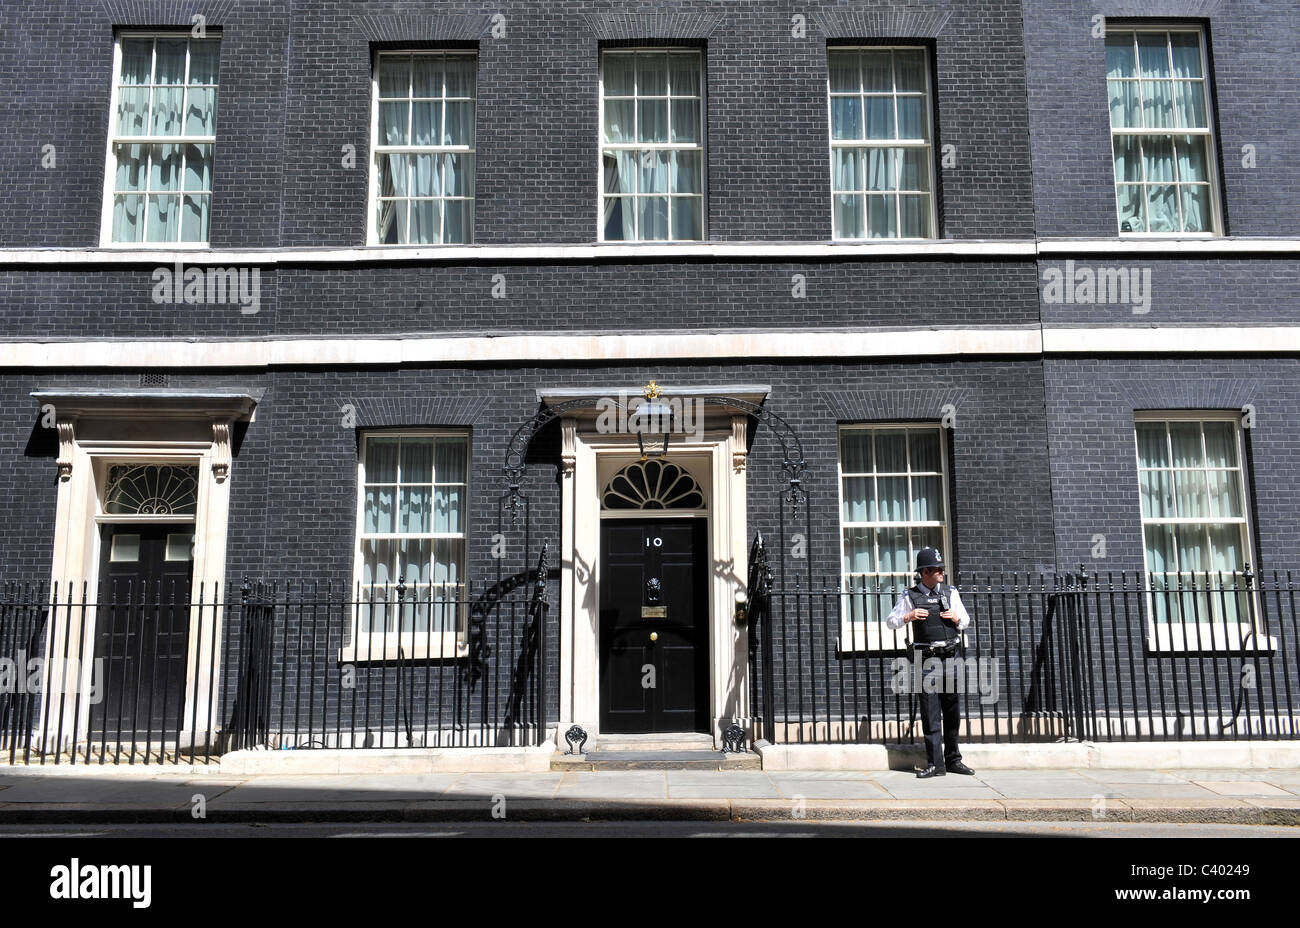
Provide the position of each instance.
(940, 716)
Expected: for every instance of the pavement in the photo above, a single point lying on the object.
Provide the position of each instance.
(91, 795)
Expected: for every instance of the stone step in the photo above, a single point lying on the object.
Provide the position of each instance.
(656, 760)
(683, 741)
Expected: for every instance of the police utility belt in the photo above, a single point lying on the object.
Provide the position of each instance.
(936, 648)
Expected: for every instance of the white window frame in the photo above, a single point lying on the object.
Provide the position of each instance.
(701, 146)
(1212, 150)
(110, 159)
(833, 143)
(1201, 635)
(377, 151)
(383, 646)
(877, 636)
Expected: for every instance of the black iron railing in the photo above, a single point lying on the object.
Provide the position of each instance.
(150, 674)
(1120, 657)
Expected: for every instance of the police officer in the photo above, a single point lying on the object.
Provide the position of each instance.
(938, 617)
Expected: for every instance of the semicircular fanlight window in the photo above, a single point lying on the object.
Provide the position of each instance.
(652, 485)
(152, 490)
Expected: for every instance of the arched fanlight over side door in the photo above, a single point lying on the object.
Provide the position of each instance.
(652, 485)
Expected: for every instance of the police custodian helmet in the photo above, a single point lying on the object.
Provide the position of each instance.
(929, 557)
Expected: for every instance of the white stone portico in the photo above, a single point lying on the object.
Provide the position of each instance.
(715, 454)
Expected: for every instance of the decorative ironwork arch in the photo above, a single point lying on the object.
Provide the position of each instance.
(792, 459)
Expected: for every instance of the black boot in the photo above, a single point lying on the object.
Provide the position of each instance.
(931, 771)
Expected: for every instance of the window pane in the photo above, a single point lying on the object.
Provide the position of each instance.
(425, 180)
(688, 223)
(652, 218)
(1225, 493)
(1124, 104)
(132, 164)
(378, 556)
(652, 174)
(459, 126)
(417, 460)
(846, 169)
(426, 122)
(619, 125)
(459, 71)
(1120, 61)
(1185, 439)
(1158, 104)
(927, 499)
(894, 556)
(686, 120)
(859, 499)
(394, 76)
(909, 69)
(426, 222)
(652, 74)
(449, 509)
(132, 110)
(393, 123)
(620, 75)
(1160, 548)
(1227, 550)
(379, 509)
(848, 214)
(843, 69)
(415, 515)
(891, 451)
(167, 111)
(194, 219)
(204, 59)
(198, 167)
(893, 499)
(1191, 159)
(1163, 205)
(1152, 447)
(128, 214)
(1157, 494)
(914, 171)
(426, 76)
(652, 120)
(855, 451)
(200, 111)
(391, 222)
(880, 168)
(846, 117)
(859, 545)
(1132, 207)
(882, 217)
(170, 61)
(911, 118)
(1220, 444)
(914, 216)
(381, 460)
(458, 174)
(686, 172)
(1153, 54)
(393, 171)
(685, 75)
(880, 118)
(1196, 208)
(448, 559)
(1187, 54)
(452, 460)
(457, 221)
(163, 219)
(1191, 105)
(1190, 494)
(925, 450)
(137, 61)
(877, 76)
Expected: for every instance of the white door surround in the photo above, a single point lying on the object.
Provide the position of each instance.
(715, 455)
(97, 429)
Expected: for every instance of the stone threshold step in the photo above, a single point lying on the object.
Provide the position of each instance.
(656, 760)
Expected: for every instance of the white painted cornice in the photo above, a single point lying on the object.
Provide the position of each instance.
(722, 251)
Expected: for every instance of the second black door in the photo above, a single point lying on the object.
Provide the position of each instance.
(654, 625)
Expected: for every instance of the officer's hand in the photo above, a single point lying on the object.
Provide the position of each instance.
(949, 615)
(917, 615)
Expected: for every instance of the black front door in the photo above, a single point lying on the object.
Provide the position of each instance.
(654, 645)
(142, 629)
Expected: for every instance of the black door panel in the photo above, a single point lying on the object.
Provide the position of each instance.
(654, 625)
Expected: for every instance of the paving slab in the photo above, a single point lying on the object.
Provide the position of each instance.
(688, 784)
(825, 788)
(1159, 791)
(512, 786)
(613, 784)
(295, 788)
(1133, 776)
(1243, 788)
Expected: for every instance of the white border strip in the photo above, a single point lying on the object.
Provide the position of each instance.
(1173, 339)
(512, 348)
(453, 254)
(668, 346)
